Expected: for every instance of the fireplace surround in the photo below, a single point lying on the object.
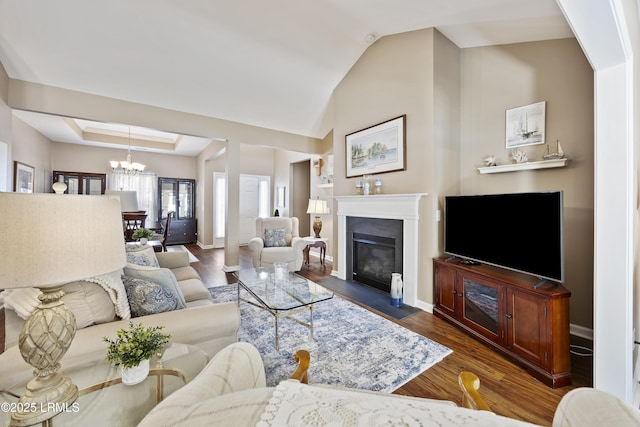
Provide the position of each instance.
(403, 207)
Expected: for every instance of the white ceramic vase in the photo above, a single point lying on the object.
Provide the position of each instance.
(396, 289)
(143, 240)
(136, 374)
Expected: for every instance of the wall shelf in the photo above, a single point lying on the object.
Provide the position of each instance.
(330, 185)
(543, 164)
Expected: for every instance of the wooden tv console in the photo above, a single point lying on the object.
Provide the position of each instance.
(503, 309)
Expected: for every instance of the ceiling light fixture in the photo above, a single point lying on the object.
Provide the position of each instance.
(127, 166)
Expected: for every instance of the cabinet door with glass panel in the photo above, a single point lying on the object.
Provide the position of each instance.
(176, 197)
(82, 182)
(481, 305)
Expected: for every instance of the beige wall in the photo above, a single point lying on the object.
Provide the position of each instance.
(455, 102)
(34, 149)
(410, 73)
(498, 78)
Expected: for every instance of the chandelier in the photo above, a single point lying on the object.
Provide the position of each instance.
(127, 166)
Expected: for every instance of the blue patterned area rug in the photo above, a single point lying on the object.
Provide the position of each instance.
(353, 347)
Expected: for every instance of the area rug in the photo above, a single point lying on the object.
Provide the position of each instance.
(353, 347)
(175, 248)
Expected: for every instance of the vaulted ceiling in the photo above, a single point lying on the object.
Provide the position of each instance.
(272, 63)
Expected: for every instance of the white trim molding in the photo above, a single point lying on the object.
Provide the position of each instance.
(403, 207)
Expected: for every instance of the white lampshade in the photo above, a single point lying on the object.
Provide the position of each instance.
(128, 199)
(317, 207)
(50, 240)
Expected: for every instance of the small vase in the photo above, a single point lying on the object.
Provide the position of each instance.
(136, 374)
(396, 289)
(143, 240)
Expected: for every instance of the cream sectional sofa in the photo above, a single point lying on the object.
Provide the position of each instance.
(202, 323)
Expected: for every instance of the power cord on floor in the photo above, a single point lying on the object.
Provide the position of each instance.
(579, 350)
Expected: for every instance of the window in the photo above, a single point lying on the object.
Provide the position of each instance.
(220, 196)
(145, 184)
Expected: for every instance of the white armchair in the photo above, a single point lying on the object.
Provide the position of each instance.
(277, 240)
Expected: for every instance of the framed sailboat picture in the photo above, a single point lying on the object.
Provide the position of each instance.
(525, 125)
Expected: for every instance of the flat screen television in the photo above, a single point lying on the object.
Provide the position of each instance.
(517, 231)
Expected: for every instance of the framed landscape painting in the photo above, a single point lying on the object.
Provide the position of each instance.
(23, 176)
(377, 149)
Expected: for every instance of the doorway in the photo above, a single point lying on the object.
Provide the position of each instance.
(254, 202)
(300, 183)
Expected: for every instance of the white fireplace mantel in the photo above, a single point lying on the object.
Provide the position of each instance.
(404, 207)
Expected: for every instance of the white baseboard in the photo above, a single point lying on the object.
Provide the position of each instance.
(204, 246)
(581, 331)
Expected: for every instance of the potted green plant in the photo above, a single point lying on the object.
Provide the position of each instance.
(132, 348)
(143, 234)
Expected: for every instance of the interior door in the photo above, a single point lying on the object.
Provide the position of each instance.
(249, 205)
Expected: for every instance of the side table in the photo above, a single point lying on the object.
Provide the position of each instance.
(103, 399)
(313, 242)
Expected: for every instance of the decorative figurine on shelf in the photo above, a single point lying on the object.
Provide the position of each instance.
(366, 185)
(378, 186)
(490, 160)
(559, 154)
(519, 156)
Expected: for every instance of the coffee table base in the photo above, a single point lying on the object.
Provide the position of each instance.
(277, 314)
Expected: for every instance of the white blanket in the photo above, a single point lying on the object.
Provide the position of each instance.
(112, 283)
(25, 300)
(295, 404)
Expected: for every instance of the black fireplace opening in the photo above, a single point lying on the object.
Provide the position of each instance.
(374, 260)
(374, 250)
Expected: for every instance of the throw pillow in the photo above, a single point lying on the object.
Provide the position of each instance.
(147, 297)
(146, 257)
(90, 304)
(274, 237)
(162, 276)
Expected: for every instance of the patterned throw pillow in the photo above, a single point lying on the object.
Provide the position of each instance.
(147, 297)
(274, 237)
(146, 257)
(162, 276)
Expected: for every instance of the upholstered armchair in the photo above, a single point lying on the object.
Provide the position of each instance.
(277, 240)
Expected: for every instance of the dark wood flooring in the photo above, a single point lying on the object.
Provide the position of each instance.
(508, 389)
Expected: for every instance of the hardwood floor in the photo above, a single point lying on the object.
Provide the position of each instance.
(508, 389)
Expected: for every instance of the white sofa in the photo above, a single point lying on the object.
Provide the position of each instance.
(231, 391)
(209, 326)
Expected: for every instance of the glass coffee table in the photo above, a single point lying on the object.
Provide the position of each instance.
(281, 299)
(103, 399)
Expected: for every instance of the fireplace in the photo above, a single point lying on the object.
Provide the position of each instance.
(376, 250)
(404, 210)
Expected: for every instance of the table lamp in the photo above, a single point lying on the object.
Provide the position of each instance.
(50, 240)
(317, 207)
